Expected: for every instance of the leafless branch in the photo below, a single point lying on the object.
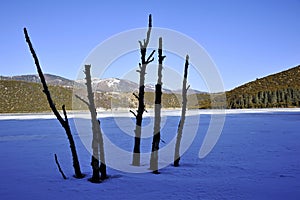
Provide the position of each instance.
(135, 95)
(188, 87)
(59, 168)
(132, 112)
(81, 99)
(65, 113)
(150, 58)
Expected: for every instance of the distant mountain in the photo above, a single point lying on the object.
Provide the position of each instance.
(276, 90)
(111, 85)
(99, 85)
(126, 86)
(151, 88)
(189, 92)
(24, 93)
(50, 79)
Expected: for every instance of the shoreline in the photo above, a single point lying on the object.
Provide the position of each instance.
(150, 113)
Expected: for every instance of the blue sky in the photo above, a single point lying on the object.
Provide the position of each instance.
(245, 39)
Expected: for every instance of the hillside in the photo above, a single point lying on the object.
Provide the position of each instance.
(276, 90)
(20, 96)
(24, 93)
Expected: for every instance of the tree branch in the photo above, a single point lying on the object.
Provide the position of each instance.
(81, 99)
(188, 87)
(65, 113)
(135, 95)
(59, 168)
(150, 58)
(132, 112)
(141, 44)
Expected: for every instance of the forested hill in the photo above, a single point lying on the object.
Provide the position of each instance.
(22, 96)
(277, 90)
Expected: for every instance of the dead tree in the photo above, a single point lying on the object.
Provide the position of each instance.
(141, 105)
(97, 142)
(183, 111)
(63, 122)
(157, 112)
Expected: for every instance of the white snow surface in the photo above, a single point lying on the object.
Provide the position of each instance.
(112, 81)
(256, 157)
(125, 113)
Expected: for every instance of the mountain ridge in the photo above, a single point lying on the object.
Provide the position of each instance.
(100, 85)
(24, 93)
(34, 78)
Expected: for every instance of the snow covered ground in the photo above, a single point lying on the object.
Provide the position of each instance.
(256, 157)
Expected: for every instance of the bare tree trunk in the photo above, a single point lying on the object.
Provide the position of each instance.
(97, 143)
(183, 111)
(157, 112)
(140, 97)
(63, 122)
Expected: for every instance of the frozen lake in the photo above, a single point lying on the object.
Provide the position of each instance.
(256, 157)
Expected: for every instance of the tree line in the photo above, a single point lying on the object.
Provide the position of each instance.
(287, 97)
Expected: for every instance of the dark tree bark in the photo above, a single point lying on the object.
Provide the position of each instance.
(63, 122)
(157, 112)
(97, 143)
(183, 111)
(141, 107)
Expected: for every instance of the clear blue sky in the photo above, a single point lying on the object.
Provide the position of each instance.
(246, 39)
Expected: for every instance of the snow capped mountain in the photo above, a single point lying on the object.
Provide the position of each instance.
(112, 85)
(112, 82)
(123, 85)
(116, 85)
(100, 85)
(50, 79)
(151, 88)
